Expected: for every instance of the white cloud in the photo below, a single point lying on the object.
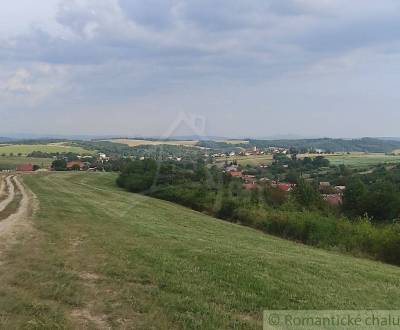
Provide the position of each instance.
(19, 82)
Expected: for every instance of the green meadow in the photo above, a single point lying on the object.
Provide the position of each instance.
(26, 149)
(247, 160)
(99, 257)
(11, 162)
(362, 160)
(354, 159)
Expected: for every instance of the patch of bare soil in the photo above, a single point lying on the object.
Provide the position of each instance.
(85, 319)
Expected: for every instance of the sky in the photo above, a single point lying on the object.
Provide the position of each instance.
(249, 68)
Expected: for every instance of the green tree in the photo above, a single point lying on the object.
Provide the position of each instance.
(59, 165)
(306, 196)
(138, 176)
(354, 197)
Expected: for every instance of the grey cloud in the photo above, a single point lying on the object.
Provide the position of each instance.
(112, 51)
(206, 30)
(158, 14)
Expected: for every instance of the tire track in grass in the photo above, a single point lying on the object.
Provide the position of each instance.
(24, 208)
(13, 206)
(2, 187)
(11, 194)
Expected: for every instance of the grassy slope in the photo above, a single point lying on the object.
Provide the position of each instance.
(127, 259)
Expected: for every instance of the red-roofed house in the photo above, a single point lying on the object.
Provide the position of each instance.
(285, 186)
(333, 199)
(74, 164)
(236, 174)
(25, 168)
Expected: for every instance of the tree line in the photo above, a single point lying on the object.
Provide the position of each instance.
(301, 215)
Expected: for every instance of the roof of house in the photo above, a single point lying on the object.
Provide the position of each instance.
(285, 186)
(325, 184)
(72, 163)
(25, 168)
(236, 174)
(333, 199)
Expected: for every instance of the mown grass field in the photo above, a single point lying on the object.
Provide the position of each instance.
(248, 160)
(136, 143)
(362, 160)
(100, 257)
(26, 149)
(234, 142)
(355, 159)
(11, 162)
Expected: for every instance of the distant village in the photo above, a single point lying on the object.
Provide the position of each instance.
(81, 163)
(331, 194)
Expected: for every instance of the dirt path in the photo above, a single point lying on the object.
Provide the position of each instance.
(11, 193)
(2, 186)
(25, 207)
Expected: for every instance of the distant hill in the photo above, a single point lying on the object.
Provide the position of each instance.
(334, 145)
(389, 138)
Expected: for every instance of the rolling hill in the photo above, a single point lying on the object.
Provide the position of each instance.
(99, 257)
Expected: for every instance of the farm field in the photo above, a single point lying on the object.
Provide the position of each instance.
(247, 160)
(361, 160)
(10, 162)
(26, 149)
(99, 257)
(136, 143)
(355, 159)
(234, 141)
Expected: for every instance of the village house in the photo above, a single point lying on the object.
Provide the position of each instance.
(340, 189)
(103, 156)
(236, 174)
(333, 199)
(283, 186)
(249, 179)
(326, 188)
(75, 164)
(324, 184)
(231, 168)
(25, 168)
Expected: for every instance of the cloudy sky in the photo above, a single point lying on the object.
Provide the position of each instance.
(241, 68)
